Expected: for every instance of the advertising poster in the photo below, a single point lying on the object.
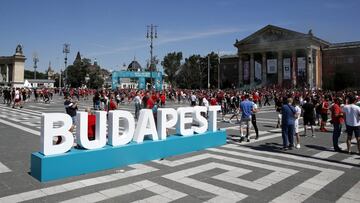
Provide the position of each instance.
(257, 71)
(301, 64)
(287, 68)
(271, 66)
(247, 71)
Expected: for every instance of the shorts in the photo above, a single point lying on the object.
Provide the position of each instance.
(246, 122)
(324, 117)
(297, 126)
(351, 129)
(309, 121)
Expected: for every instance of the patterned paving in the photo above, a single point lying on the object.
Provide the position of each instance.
(247, 172)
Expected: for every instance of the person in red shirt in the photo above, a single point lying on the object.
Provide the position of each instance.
(162, 99)
(150, 103)
(91, 124)
(324, 114)
(213, 101)
(112, 103)
(337, 120)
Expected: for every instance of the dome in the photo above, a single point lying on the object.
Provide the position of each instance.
(134, 66)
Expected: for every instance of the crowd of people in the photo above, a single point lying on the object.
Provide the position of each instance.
(313, 106)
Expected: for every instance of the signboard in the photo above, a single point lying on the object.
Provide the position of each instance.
(110, 148)
(258, 71)
(156, 76)
(247, 71)
(301, 65)
(287, 68)
(271, 66)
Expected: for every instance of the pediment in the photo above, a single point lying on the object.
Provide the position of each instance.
(272, 33)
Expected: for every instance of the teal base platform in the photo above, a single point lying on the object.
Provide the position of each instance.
(80, 161)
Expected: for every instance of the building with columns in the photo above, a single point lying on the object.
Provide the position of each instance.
(12, 69)
(278, 56)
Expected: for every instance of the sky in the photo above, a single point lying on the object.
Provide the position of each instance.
(114, 31)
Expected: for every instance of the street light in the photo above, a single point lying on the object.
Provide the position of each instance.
(36, 60)
(66, 50)
(151, 34)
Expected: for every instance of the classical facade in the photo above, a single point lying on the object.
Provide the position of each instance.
(278, 56)
(12, 69)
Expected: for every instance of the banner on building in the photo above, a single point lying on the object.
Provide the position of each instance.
(258, 71)
(247, 71)
(301, 65)
(287, 68)
(271, 66)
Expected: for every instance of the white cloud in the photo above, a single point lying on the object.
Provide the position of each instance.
(200, 34)
(178, 37)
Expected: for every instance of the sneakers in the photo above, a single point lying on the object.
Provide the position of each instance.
(297, 146)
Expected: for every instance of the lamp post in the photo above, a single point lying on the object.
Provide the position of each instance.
(36, 60)
(208, 72)
(66, 50)
(219, 70)
(60, 91)
(151, 34)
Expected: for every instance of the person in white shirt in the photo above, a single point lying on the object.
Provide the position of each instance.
(193, 99)
(352, 121)
(297, 116)
(137, 101)
(205, 102)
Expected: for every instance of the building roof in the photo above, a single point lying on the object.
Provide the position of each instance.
(229, 56)
(344, 45)
(134, 66)
(259, 37)
(40, 81)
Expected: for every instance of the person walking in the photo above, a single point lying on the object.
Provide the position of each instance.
(337, 120)
(246, 108)
(352, 120)
(253, 118)
(288, 124)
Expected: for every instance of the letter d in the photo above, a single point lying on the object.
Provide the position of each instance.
(48, 132)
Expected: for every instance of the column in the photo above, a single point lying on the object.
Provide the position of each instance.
(293, 68)
(240, 71)
(309, 69)
(318, 69)
(280, 68)
(7, 72)
(252, 69)
(263, 67)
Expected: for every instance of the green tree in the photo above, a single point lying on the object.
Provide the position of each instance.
(171, 64)
(80, 69)
(191, 72)
(96, 81)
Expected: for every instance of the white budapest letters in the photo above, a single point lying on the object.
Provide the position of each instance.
(166, 118)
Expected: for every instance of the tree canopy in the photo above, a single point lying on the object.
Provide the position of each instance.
(171, 64)
(78, 72)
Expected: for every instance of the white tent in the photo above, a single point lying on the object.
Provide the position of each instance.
(27, 84)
